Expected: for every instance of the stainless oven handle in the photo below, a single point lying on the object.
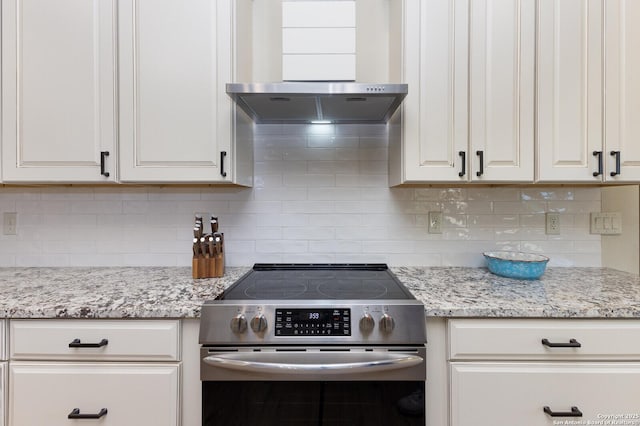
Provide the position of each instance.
(320, 362)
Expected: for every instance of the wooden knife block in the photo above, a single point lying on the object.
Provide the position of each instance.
(208, 267)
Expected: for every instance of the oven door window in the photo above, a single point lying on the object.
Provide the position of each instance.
(313, 403)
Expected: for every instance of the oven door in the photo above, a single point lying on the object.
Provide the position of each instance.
(313, 386)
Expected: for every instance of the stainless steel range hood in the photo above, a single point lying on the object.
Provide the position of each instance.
(318, 102)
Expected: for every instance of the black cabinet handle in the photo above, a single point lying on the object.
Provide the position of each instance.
(573, 343)
(599, 155)
(103, 156)
(222, 155)
(573, 413)
(617, 155)
(481, 155)
(464, 163)
(75, 414)
(76, 344)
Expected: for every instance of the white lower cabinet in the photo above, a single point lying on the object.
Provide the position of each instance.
(517, 393)
(538, 372)
(118, 394)
(110, 372)
(3, 373)
(3, 393)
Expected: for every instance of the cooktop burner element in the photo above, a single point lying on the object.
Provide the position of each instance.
(319, 303)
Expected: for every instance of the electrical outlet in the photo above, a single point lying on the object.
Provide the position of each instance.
(10, 223)
(435, 223)
(552, 223)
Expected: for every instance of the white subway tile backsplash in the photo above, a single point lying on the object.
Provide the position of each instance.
(320, 195)
(366, 183)
(282, 194)
(309, 180)
(308, 233)
(519, 207)
(281, 246)
(493, 194)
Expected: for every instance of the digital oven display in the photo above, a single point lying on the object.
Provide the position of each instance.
(313, 322)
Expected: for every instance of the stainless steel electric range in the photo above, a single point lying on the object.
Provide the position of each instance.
(313, 344)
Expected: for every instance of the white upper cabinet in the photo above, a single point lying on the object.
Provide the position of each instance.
(176, 120)
(94, 91)
(469, 112)
(431, 130)
(501, 90)
(622, 90)
(569, 109)
(58, 91)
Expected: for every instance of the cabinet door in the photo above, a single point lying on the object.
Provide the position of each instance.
(501, 87)
(175, 116)
(569, 108)
(3, 391)
(622, 89)
(489, 394)
(58, 98)
(434, 113)
(132, 394)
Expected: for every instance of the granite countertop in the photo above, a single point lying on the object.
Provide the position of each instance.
(129, 292)
(156, 292)
(560, 293)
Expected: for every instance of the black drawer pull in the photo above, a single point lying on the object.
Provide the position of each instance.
(463, 161)
(573, 413)
(480, 154)
(76, 344)
(75, 414)
(617, 155)
(573, 343)
(222, 155)
(599, 155)
(103, 166)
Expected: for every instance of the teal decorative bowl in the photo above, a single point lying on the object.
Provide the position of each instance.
(513, 264)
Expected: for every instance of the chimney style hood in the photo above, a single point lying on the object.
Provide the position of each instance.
(318, 102)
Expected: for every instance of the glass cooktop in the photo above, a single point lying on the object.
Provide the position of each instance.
(317, 282)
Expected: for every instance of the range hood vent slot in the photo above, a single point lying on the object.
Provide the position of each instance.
(312, 102)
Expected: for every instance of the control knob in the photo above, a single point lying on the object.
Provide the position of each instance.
(367, 323)
(238, 324)
(387, 323)
(258, 323)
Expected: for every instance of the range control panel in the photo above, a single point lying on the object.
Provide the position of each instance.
(313, 322)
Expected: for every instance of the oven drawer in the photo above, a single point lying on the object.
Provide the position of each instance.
(118, 340)
(487, 394)
(522, 339)
(119, 394)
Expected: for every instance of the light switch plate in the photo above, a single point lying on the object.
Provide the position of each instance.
(606, 223)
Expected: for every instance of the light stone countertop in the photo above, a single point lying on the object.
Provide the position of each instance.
(560, 293)
(127, 292)
(159, 292)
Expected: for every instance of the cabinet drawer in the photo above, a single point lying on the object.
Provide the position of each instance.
(487, 394)
(511, 339)
(132, 394)
(121, 340)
